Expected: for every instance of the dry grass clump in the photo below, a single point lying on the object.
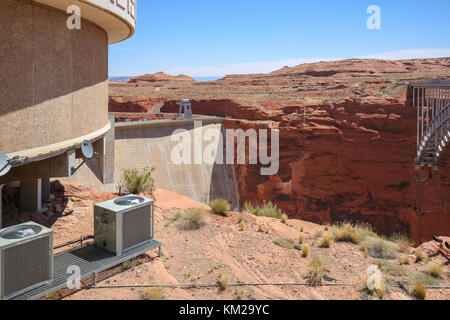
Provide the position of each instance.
(316, 270)
(242, 225)
(376, 292)
(404, 259)
(325, 241)
(348, 232)
(318, 234)
(434, 269)
(260, 228)
(305, 251)
(284, 218)
(221, 207)
(267, 210)
(192, 219)
(420, 255)
(419, 291)
(380, 249)
(152, 294)
(301, 239)
(138, 181)
(403, 243)
(223, 280)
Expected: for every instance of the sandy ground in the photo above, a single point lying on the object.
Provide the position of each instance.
(200, 256)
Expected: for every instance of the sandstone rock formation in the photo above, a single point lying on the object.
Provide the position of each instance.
(158, 77)
(351, 158)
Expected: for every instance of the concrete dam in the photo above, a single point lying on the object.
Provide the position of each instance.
(147, 144)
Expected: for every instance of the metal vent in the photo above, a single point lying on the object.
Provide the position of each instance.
(136, 227)
(25, 265)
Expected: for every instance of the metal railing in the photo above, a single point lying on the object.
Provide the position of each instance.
(432, 100)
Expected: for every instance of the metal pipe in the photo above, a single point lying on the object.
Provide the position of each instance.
(249, 284)
(73, 242)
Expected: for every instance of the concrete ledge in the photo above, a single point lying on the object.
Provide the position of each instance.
(116, 17)
(49, 151)
(165, 123)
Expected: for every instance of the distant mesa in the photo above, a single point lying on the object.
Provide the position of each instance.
(158, 77)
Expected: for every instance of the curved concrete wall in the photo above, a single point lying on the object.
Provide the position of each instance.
(53, 81)
(149, 144)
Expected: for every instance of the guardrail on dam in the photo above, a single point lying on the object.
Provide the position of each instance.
(142, 144)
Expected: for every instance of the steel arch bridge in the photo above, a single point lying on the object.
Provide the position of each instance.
(432, 101)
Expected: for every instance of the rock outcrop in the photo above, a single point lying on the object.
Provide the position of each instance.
(352, 157)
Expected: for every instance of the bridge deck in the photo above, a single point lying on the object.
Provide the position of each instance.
(90, 259)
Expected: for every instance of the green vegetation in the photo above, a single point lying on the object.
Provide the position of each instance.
(316, 271)
(287, 243)
(380, 249)
(221, 207)
(390, 268)
(137, 182)
(267, 210)
(192, 219)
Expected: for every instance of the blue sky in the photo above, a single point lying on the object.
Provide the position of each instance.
(205, 38)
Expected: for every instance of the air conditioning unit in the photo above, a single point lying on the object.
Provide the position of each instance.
(124, 223)
(26, 259)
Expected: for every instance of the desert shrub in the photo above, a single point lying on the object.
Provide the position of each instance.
(318, 234)
(243, 217)
(284, 218)
(419, 291)
(223, 280)
(326, 240)
(380, 249)
(267, 210)
(403, 243)
(193, 219)
(434, 269)
(316, 270)
(137, 182)
(242, 225)
(301, 239)
(390, 268)
(425, 279)
(348, 232)
(220, 206)
(374, 293)
(152, 294)
(420, 255)
(404, 259)
(285, 243)
(305, 251)
(260, 228)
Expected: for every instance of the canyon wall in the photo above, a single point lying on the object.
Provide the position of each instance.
(350, 162)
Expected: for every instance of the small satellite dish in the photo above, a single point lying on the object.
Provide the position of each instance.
(5, 166)
(87, 149)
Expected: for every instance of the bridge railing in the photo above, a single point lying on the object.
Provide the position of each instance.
(432, 100)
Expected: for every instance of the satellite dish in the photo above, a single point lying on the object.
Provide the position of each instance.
(87, 149)
(88, 153)
(5, 166)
